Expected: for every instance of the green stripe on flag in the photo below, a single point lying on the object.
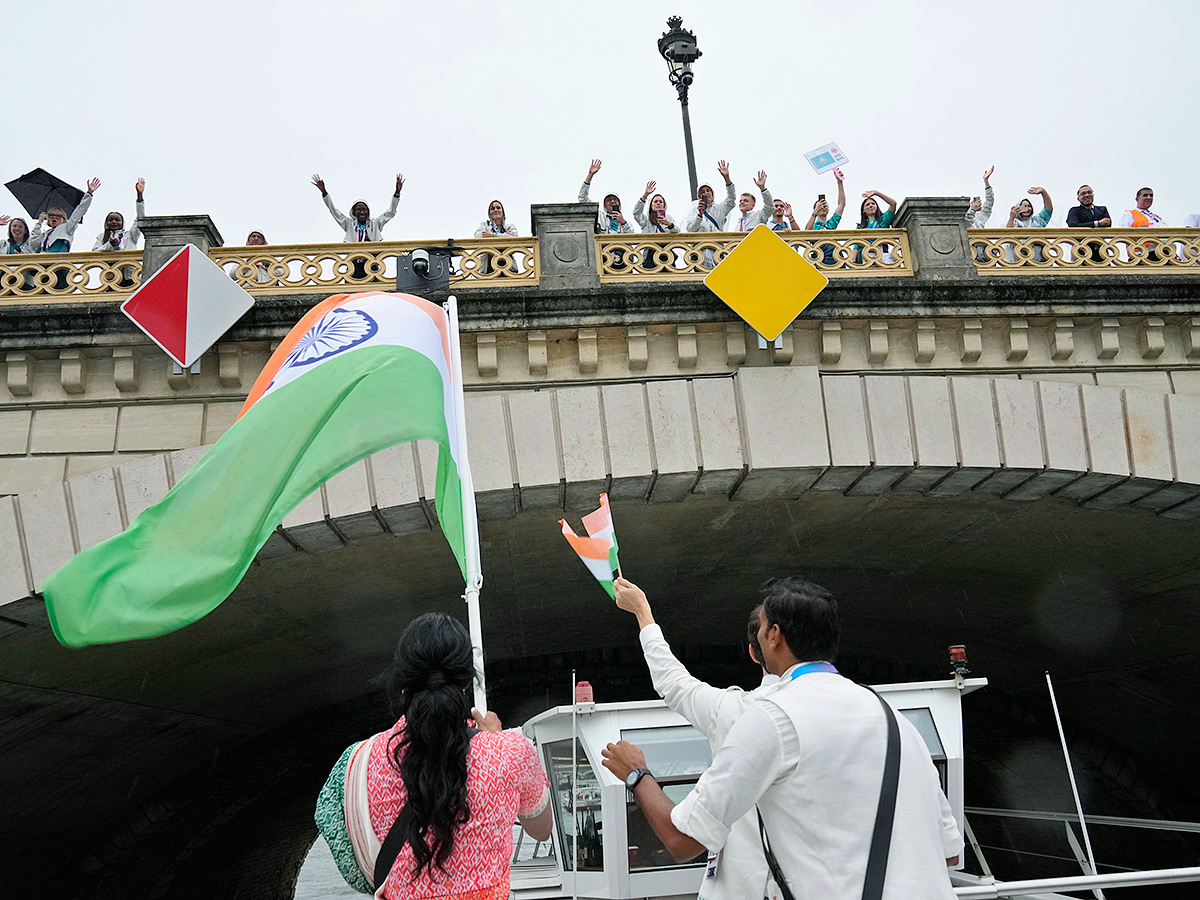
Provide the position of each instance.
(179, 559)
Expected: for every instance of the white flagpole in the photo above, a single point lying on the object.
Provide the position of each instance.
(470, 518)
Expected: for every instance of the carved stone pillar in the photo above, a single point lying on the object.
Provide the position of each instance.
(937, 237)
(566, 234)
(166, 234)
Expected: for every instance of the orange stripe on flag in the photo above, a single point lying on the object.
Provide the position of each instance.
(314, 315)
(267, 375)
(593, 548)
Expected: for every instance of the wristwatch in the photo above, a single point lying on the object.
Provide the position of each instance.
(635, 775)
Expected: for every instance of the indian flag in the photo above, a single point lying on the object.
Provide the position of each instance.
(358, 373)
(598, 551)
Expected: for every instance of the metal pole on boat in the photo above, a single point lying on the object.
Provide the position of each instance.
(574, 790)
(474, 573)
(1087, 841)
(1041, 886)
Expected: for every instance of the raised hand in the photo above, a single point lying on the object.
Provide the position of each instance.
(988, 174)
(723, 168)
(787, 210)
(761, 180)
(488, 721)
(140, 187)
(1037, 190)
(594, 167)
(838, 174)
(42, 217)
(399, 183)
(92, 185)
(3, 221)
(650, 185)
(319, 183)
(870, 193)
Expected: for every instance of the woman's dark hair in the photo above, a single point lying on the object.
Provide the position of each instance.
(431, 671)
(806, 613)
(108, 234)
(653, 213)
(503, 216)
(862, 211)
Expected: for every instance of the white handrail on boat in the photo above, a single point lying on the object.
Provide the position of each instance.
(1000, 889)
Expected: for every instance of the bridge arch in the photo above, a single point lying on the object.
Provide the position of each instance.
(762, 433)
(895, 490)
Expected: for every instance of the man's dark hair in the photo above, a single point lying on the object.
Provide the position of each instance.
(752, 634)
(806, 613)
(1150, 189)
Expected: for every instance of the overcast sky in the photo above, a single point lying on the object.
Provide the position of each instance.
(229, 107)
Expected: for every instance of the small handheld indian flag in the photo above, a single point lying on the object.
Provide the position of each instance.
(599, 550)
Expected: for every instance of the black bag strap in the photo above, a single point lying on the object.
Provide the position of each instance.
(397, 837)
(885, 814)
(772, 862)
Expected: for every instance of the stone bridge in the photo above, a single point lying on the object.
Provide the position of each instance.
(964, 450)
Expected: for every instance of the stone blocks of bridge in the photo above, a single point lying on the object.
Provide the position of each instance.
(762, 433)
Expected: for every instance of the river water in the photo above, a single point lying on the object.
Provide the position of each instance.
(319, 877)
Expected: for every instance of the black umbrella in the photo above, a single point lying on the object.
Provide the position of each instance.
(39, 191)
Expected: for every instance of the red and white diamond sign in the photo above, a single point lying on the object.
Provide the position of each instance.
(187, 305)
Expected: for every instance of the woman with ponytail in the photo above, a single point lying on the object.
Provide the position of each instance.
(449, 790)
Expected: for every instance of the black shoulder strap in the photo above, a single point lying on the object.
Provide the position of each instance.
(397, 837)
(885, 813)
(772, 862)
(881, 837)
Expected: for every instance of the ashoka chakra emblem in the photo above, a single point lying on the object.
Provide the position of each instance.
(340, 330)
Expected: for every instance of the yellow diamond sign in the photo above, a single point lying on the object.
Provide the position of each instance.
(766, 282)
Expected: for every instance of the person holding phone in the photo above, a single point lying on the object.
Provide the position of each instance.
(115, 236)
(609, 219)
(657, 221)
(980, 211)
(821, 220)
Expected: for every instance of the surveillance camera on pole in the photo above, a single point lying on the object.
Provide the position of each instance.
(425, 271)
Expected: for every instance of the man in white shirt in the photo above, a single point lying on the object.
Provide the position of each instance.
(810, 753)
(1140, 216)
(706, 213)
(750, 217)
(740, 869)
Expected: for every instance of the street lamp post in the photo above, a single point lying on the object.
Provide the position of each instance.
(678, 48)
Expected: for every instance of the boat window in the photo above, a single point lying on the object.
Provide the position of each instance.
(922, 718)
(677, 755)
(672, 751)
(587, 822)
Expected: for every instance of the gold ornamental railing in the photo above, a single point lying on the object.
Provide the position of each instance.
(852, 253)
(334, 268)
(274, 269)
(1019, 251)
(69, 277)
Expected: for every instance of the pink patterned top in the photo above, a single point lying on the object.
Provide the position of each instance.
(504, 780)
